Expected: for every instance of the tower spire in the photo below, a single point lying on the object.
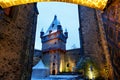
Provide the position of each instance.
(55, 17)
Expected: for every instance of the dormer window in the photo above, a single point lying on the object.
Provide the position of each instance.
(50, 31)
(59, 27)
(52, 25)
(68, 65)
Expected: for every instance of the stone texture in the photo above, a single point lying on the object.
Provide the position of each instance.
(37, 56)
(17, 36)
(72, 57)
(89, 25)
(111, 21)
(91, 37)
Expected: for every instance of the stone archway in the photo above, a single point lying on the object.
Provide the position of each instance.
(100, 4)
(16, 42)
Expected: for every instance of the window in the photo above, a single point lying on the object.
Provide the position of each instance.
(54, 56)
(68, 65)
(50, 31)
(59, 27)
(53, 64)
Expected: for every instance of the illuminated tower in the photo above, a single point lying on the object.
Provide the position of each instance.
(54, 46)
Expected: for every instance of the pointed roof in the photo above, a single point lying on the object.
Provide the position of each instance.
(40, 65)
(54, 26)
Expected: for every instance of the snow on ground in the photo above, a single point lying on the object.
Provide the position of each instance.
(63, 76)
(59, 77)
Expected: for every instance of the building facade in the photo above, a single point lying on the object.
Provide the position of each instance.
(17, 34)
(54, 46)
(17, 38)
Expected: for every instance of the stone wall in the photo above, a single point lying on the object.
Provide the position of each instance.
(17, 34)
(37, 56)
(71, 59)
(90, 33)
(89, 28)
(111, 21)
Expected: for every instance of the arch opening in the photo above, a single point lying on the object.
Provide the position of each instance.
(97, 4)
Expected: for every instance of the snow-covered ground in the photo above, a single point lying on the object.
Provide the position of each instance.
(60, 77)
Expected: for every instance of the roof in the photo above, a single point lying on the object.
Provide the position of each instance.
(54, 26)
(40, 65)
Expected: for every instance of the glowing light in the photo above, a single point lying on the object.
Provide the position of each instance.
(98, 4)
(91, 73)
(61, 66)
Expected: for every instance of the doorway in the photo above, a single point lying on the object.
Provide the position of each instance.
(53, 72)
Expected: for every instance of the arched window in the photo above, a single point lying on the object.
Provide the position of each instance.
(53, 64)
(68, 65)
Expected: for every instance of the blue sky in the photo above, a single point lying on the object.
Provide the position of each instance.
(66, 13)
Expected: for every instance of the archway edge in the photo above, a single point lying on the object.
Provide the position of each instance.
(97, 4)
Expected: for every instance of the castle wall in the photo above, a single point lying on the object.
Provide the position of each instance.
(111, 22)
(17, 36)
(91, 42)
(37, 56)
(71, 59)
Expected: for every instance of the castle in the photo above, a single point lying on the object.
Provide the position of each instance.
(17, 37)
(54, 53)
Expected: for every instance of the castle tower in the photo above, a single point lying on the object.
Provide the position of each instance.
(54, 46)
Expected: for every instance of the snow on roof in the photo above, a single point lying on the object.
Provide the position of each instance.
(54, 26)
(40, 65)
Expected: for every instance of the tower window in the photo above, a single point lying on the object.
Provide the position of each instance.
(59, 26)
(68, 65)
(53, 64)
